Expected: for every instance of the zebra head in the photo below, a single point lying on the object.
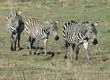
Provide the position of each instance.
(15, 19)
(54, 29)
(92, 32)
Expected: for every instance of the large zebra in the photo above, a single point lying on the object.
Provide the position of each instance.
(76, 34)
(14, 26)
(38, 30)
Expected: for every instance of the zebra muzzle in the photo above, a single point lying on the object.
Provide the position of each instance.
(95, 42)
(56, 37)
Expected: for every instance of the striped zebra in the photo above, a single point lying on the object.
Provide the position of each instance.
(76, 34)
(38, 30)
(14, 26)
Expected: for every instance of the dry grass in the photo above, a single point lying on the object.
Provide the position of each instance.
(18, 65)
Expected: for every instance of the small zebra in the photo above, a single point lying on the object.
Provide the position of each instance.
(14, 26)
(38, 30)
(76, 34)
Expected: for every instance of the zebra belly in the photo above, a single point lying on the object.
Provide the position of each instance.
(72, 39)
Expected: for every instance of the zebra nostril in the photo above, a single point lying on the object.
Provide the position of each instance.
(95, 42)
(56, 37)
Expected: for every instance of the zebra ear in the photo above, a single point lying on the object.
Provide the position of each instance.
(12, 12)
(16, 13)
(96, 24)
(20, 12)
(50, 22)
(57, 21)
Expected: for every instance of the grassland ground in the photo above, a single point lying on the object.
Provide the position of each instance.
(19, 65)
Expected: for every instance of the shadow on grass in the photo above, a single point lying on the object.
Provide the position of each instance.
(33, 47)
(52, 55)
(49, 53)
(21, 48)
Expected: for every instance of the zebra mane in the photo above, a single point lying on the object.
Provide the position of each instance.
(86, 22)
(73, 21)
(92, 25)
(70, 22)
(46, 23)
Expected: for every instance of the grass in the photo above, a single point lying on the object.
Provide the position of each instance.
(19, 65)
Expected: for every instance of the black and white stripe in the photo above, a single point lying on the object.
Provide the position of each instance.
(38, 30)
(14, 26)
(44, 33)
(75, 34)
(71, 33)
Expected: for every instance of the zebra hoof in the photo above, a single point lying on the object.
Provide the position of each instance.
(29, 53)
(27, 47)
(34, 53)
(14, 49)
(76, 58)
(65, 57)
(11, 49)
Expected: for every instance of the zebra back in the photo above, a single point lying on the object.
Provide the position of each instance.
(69, 29)
(30, 26)
(33, 26)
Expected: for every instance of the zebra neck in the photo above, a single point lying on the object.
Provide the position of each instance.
(47, 31)
(81, 32)
(45, 24)
(46, 27)
(44, 33)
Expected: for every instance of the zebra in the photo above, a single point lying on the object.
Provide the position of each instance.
(38, 30)
(14, 26)
(75, 34)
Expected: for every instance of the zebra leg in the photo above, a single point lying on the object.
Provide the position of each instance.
(85, 44)
(77, 51)
(16, 37)
(71, 50)
(45, 45)
(11, 41)
(19, 40)
(29, 44)
(66, 47)
(37, 45)
(33, 40)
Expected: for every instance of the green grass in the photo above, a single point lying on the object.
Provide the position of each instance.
(19, 65)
